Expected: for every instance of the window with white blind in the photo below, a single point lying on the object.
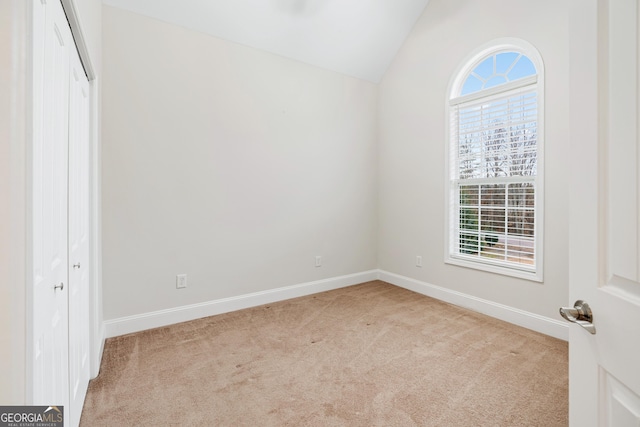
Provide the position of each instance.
(495, 162)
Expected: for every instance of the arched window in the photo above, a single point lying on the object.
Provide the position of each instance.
(495, 183)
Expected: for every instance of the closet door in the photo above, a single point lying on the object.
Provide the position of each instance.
(78, 238)
(60, 188)
(49, 204)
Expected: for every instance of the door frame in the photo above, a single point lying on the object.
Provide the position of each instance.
(584, 116)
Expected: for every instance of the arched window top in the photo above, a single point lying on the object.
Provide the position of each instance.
(500, 62)
(497, 69)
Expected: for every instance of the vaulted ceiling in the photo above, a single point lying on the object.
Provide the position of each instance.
(355, 37)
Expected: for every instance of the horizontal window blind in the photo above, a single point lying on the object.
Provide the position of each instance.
(493, 174)
(496, 137)
(497, 223)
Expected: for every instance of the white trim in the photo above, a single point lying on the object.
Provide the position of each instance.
(480, 264)
(494, 46)
(96, 331)
(514, 86)
(500, 180)
(78, 36)
(155, 319)
(34, 59)
(535, 322)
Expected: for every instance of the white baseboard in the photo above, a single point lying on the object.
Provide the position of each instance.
(535, 322)
(155, 319)
(140, 322)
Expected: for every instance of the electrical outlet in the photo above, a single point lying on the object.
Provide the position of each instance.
(318, 261)
(418, 261)
(181, 281)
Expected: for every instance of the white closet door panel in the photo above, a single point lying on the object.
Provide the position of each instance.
(79, 134)
(50, 213)
(37, 152)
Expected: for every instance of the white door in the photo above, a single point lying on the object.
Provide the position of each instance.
(49, 205)
(604, 368)
(60, 207)
(78, 239)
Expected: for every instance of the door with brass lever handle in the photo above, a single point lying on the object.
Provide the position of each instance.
(580, 314)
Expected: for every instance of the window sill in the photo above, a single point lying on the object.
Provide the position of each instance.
(534, 276)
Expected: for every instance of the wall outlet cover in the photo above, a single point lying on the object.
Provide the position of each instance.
(181, 281)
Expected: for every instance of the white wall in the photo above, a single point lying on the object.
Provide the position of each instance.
(12, 204)
(229, 164)
(413, 141)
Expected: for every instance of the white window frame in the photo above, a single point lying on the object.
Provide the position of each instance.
(451, 210)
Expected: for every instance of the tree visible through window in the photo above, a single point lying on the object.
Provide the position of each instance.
(494, 162)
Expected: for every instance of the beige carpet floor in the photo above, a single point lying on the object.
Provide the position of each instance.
(367, 355)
